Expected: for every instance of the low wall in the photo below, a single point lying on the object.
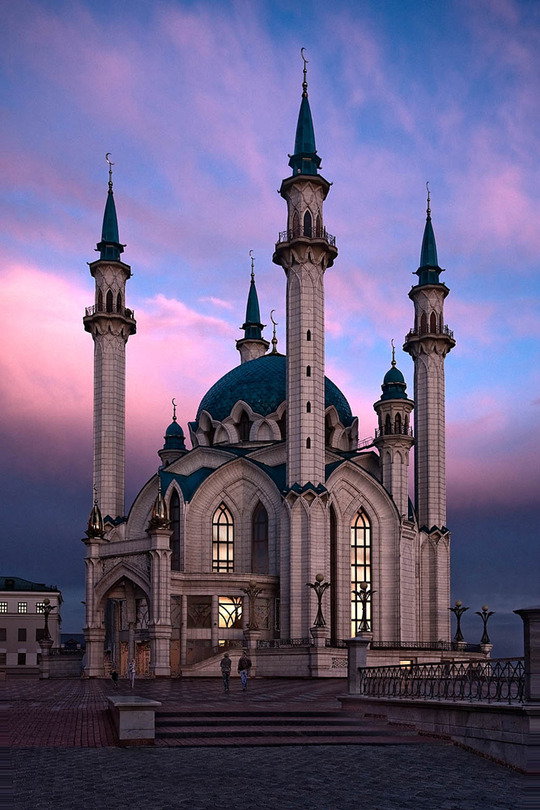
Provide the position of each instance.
(508, 734)
(66, 666)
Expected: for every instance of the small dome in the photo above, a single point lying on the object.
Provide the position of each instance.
(394, 385)
(174, 437)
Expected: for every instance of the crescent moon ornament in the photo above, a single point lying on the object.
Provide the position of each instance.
(272, 317)
(302, 55)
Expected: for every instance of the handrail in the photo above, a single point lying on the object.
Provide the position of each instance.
(93, 310)
(491, 681)
(310, 233)
(444, 330)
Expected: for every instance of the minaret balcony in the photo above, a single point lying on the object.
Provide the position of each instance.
(312, 233)
(427, 330)
(129, 314)
(393, 430)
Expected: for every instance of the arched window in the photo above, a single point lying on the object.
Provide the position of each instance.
(307, 224)
(259, 540)
(334, 610)
(388, 425)
(308, 443)
(100, 301)
(308, 371)
(397, 423)
(433, 323)
(244, 427)
(328, 430)
(318, 226)
(295, 224)
(174, 511)
(360, 567)
(308, 334)
(308, 407)
(222, 540)
(423, 324)
(119, 302)
(109, 301)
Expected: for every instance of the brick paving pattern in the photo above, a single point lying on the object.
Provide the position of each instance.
(60, 754)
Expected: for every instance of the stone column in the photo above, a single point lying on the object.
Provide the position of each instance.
(95, 639)
(183, 631)
(358, 649)
(251, 638)
(531, 645)
(45, 664)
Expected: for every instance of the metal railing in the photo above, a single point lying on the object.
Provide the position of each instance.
(499, 680)
(278, 643)
(127, 313)
(393, 430)
(426, 330)
(313, 233)
(449, 646)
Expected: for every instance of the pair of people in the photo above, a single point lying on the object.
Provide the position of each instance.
(244, 665)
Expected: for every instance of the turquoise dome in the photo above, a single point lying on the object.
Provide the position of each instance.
(174, 437)
(394, 385)
(261, 384)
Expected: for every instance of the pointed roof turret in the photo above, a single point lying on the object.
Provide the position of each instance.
(252, 326)
(305, 159)
(110, 247)
(428, 272)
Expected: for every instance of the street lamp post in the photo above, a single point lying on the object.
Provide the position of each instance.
(364, 597)
(484, 614)
(319, 587)
(458, 610)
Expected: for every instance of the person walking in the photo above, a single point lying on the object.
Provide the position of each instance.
(225, 665)
(114, 676)
(131, 673)
(244, 665)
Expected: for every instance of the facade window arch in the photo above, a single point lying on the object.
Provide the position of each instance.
(308, 334)
(397, 423)
(174, 512)
(360, 566)
(441, 323)
(222, 540)
(308, 443)
(100, 300)
(318, 226)
(423, 324)
(244, 427)
(308, 226)
(308, 407)
(388, 425)
(334, 609)
(433, 323)
(259, 540)
(119, 302)
(109, 301)
(308, 371)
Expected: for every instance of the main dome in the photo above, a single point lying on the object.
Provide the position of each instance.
(261, 384)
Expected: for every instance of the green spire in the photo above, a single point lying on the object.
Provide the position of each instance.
(428, 272)
(305, 159)
(253, 326)
(110, 247)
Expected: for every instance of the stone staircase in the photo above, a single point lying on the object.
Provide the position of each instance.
(239, 727)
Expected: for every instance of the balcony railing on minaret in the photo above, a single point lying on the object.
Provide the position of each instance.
(427, 330)
(124, 311)
(311, 233)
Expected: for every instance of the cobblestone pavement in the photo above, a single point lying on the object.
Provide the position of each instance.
(60, 755)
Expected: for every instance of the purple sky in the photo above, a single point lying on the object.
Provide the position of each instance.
(197, 102)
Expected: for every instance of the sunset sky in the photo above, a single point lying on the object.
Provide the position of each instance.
(197, 104)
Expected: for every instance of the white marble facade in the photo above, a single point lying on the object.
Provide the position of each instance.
(275, 489)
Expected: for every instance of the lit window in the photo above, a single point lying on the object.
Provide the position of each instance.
(22, 607)
(222, 540)
(230, 611)
(360, 566)
(3, 607)
(40, 607)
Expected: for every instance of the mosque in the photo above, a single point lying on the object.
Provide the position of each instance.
(277, 509)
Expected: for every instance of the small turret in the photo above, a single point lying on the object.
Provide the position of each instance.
(174, 446)
(252, 345)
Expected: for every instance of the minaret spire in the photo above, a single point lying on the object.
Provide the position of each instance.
(253, 344)
(110, 247)
(429, 270)
(305, 159)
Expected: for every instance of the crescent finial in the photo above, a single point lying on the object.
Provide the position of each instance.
(111, 164)
(174, 408)
(393, 352)
(251, 256)
(428, 198)
(304, 83)
(272, 317)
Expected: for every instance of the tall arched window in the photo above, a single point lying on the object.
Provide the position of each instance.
(119, 302)
(318, 226)
(100, 301)
(244, 427)
(174, 511)
(423, 324)
(360, 566)
(397, 423)
(222, 540)
(388, 425)
(109, 301)
(308, 334)
(308, 443)
(334, 610)
(433, 323)
(308, 230)
(308, 371)
(259, 540)
(308, 407)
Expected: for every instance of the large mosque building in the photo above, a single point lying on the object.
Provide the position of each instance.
(223, 546)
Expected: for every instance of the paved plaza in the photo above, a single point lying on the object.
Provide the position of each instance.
(60, 751)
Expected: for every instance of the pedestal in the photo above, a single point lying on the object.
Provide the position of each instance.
(45, 663)
(95, 664)
(251, 638)
(358, 649)
(320, 634)
(160, 651)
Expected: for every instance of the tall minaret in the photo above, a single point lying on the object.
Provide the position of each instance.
(252, 345)
(304, 251)
(428, 343)
(110, 324)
